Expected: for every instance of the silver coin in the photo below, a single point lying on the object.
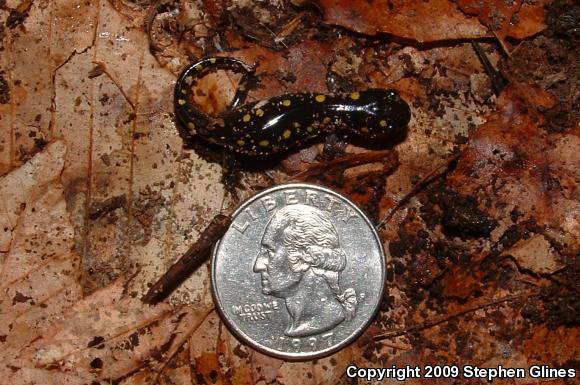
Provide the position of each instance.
(300, 272)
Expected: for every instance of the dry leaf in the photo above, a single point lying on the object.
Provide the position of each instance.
(46, 329)
(517, 172)
(91, 161)
(422, 21)
(535, 254)
(435, 20)
(106, 336)
(39, 272)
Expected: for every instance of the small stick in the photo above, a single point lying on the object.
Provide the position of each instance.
(438, 321)
(101, 66)
(195, 256)
(347, 161)
(200, 251)
(430, 178)
(502, 44)
(289, 28)
(498, 82)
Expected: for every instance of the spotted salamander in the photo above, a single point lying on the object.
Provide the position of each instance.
(288, 121)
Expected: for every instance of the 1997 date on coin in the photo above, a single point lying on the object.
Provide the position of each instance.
(306, 344)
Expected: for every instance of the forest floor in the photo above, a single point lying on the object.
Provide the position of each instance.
(477, 206)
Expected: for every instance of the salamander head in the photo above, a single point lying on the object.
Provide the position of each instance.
(386, 113)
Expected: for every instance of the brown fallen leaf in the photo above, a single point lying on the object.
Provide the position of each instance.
(519, 19)
(513, 158)
(24, 185)
(535, 254)
(435, 20)
(106, 335)
(39, 273)
(47, 330)
(423, 21)
(529, 20)
(301, 69)
(137, 199)
(543, 344)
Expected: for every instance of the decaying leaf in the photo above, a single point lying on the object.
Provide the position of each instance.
(518, 19)
(39, 272)
(99, 195)
(535, 254)
(511, 157)
(435, 20)
(105, 336)
(47, 330)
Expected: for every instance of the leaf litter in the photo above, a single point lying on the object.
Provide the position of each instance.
(99, 196)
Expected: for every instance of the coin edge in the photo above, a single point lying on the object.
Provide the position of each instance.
(299, 356)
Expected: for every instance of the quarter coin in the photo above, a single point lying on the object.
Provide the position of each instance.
(299, 273)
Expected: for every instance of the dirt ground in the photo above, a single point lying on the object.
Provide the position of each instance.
(477, 205)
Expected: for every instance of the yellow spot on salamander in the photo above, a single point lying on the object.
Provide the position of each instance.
(259, 112)
(309, 128)
(364, 130)
(183, 91)
(354, 95)
(286, 134)
(246, 118)
(383, 123)
(198, 67)
(241, 142)
(264, 143)
(296, 125)
(326, 120)
(241, 87)
(191, 126)
(212, 60)
(286, 102)
(320, 98)
(181, 102)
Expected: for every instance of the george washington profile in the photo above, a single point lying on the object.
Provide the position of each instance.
(300, 260)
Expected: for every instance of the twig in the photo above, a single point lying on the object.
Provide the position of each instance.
(502, 44)
(497, 80)
(195, 256)
(430, 324)
(427, 180)
(289, 28)
(103, 67)
(181, 340)
(396, 346)
(345, 162)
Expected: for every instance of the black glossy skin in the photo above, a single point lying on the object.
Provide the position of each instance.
(288, 121)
